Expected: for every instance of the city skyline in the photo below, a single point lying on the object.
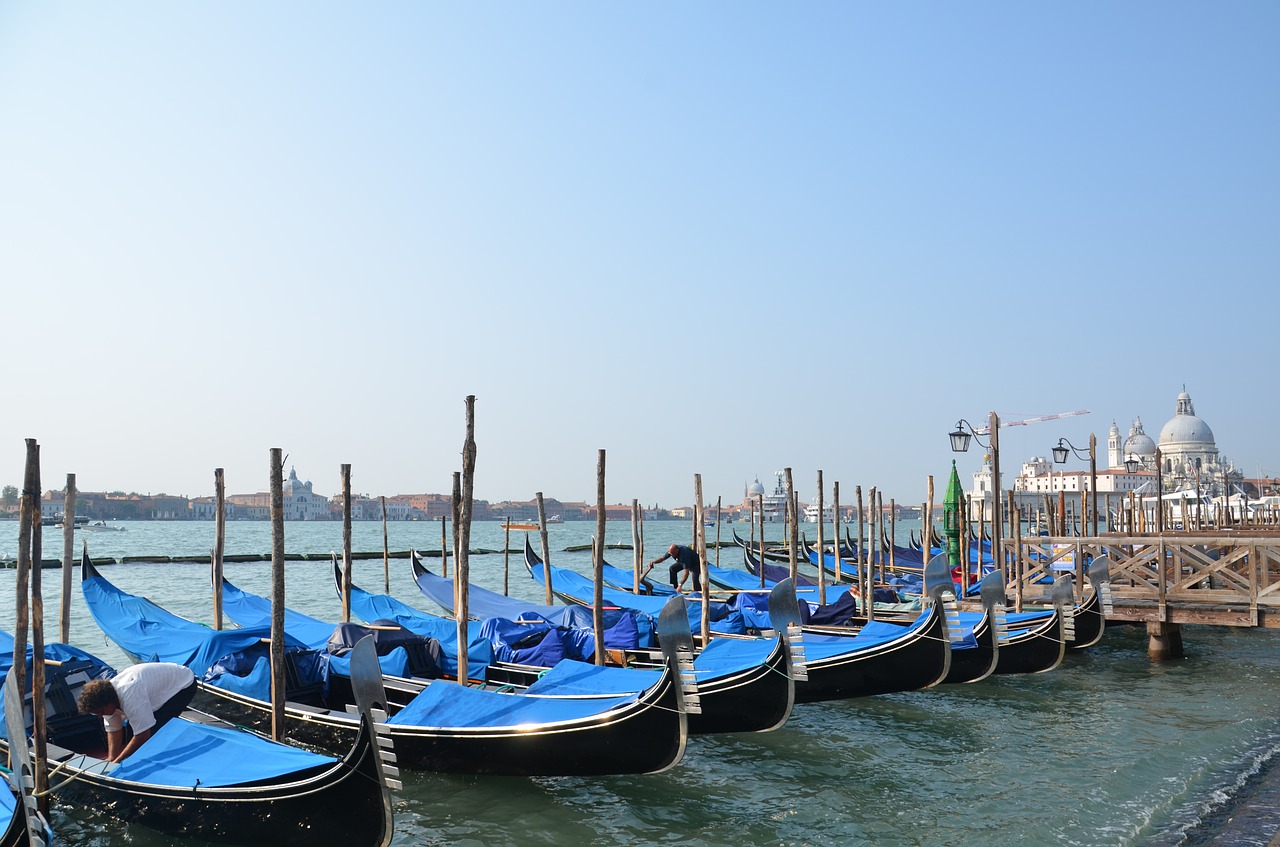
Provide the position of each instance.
(707, 240)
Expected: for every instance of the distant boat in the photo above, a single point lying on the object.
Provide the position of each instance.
(520, 525)
(99, 526)
(555, 519)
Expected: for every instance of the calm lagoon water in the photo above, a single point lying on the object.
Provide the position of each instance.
(1107, 750)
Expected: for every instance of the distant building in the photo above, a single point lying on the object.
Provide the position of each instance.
(1189, 462)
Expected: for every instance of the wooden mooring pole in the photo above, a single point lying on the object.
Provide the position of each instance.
(41, 720)
(793, 535)
(277, 595)
(219, 542)
(346, 543)
(597, 563)
(700, 533)
(386, 549)
(822, 554)
(546, 547)
(835, 513)
(462, 573)
(68, 557)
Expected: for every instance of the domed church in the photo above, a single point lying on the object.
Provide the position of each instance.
(1189, 459)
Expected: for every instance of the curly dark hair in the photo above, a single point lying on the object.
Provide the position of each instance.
(96, 695)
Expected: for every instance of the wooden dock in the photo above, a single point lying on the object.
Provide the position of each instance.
(1166, 580)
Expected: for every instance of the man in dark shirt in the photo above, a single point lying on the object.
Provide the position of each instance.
(686, 559)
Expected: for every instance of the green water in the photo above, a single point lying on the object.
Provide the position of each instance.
(1107, 750)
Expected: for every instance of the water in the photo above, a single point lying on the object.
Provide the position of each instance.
(1107, 750)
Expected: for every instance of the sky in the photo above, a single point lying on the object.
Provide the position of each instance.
(709, 238)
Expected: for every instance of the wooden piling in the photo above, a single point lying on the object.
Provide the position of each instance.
(893, 530)
(822, 554)
(857, 492)
(26, 511)
(456, 507)
(386, 549)
(835, 514)
(793, 534)
(346, 543)
(636, 561)
(597, 565)
(719, 499)
(68, 557)
(41, 720)
(546, 547)
(462, 573)
(277, 594)
(701, 548)
(444, 546)
(506, 558)
(219, 542)
(760, 498)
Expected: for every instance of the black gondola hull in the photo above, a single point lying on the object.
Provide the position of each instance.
(919, 660)
(974, 663)
(1036, 650)
(642, 737)
(340, 803)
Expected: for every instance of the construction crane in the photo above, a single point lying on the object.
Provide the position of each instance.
(984, 430)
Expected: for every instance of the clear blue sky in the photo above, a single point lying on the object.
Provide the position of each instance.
(716, 238)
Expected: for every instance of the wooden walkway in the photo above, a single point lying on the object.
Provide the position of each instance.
(1165, 581)
(1225, 579)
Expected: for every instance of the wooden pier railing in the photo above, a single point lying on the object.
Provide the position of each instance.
(1165, 581)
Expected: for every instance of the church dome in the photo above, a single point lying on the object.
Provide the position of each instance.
(1185, 427)
(755, 489)
(1139, 443)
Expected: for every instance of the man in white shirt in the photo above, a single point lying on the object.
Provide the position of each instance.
(149, 695)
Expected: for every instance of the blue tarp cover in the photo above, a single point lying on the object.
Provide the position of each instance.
(874, 634)
(725, 618)
(578, 679)
(250, 610)
(151, 634)
(484, 604)
(373, 607)
(182, 753)
(449, 705)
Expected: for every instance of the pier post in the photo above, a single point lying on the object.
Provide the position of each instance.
(68, 557)
(597, 564)
(345, 470)
(1164, 641)
(277, 594)
(546, 546)
(462, 549)
(219, 541)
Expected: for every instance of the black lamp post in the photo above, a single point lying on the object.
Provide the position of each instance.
(1060, 456)
(960, 437)
(1132, 463)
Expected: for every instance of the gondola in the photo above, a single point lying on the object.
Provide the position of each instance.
(885, 592)
(1036, 641)
(982, 655)
(448, 728)
(576, 589)
(198, 777)
(744, 684)
(1089, 619)
(878, 658)
(772, 552)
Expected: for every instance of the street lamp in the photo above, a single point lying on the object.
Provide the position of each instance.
(1060, 456)
(1132, 463)
(960, 444)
